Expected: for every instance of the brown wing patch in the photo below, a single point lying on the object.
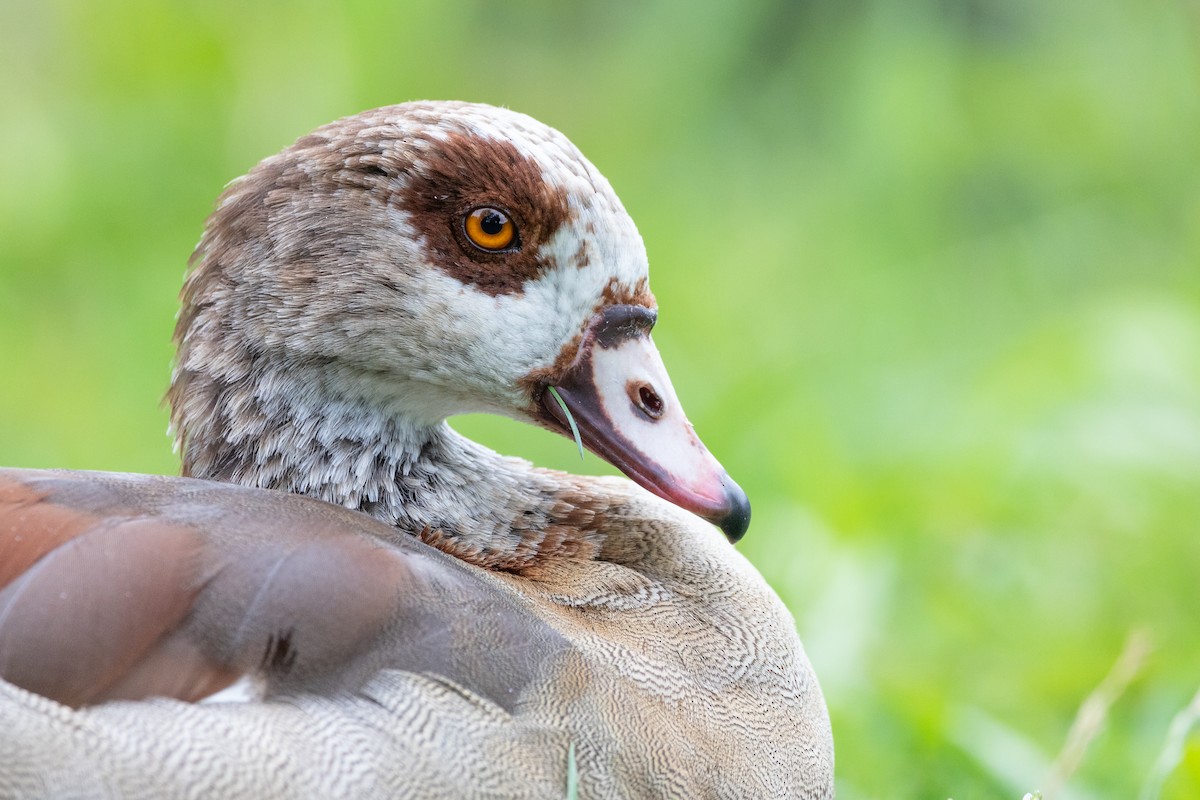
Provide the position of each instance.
(85, 613)
(465, 171)
(31, 528)
(176, 666)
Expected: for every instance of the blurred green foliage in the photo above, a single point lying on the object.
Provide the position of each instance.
(929, 273)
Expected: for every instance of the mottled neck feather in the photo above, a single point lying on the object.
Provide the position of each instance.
(288, 430)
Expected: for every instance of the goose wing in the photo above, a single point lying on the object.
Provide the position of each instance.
(127, 586)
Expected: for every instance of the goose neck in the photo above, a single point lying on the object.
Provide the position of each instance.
(285, 432)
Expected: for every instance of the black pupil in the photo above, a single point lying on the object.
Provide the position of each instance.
(651, 400)
(492, 222)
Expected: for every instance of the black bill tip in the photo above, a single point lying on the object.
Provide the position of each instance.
(734, 522)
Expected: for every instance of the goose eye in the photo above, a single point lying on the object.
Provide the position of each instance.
(490, 229)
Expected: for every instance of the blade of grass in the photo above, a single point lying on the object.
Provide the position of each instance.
(570, 419)
(572, 771)
(1093, 713)
(1171, 754)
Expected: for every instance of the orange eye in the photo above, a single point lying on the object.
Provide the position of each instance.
(490, 229)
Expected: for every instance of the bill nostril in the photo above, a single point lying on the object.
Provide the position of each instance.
(647, 400)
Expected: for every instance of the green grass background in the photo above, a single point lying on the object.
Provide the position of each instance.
(929, 277)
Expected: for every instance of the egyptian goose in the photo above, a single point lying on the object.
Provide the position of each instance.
(429, 619)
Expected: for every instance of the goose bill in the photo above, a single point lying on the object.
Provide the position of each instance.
(622, 400)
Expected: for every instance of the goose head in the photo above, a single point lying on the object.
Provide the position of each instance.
(421, 261)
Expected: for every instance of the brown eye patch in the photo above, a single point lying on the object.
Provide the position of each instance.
(452, 178)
